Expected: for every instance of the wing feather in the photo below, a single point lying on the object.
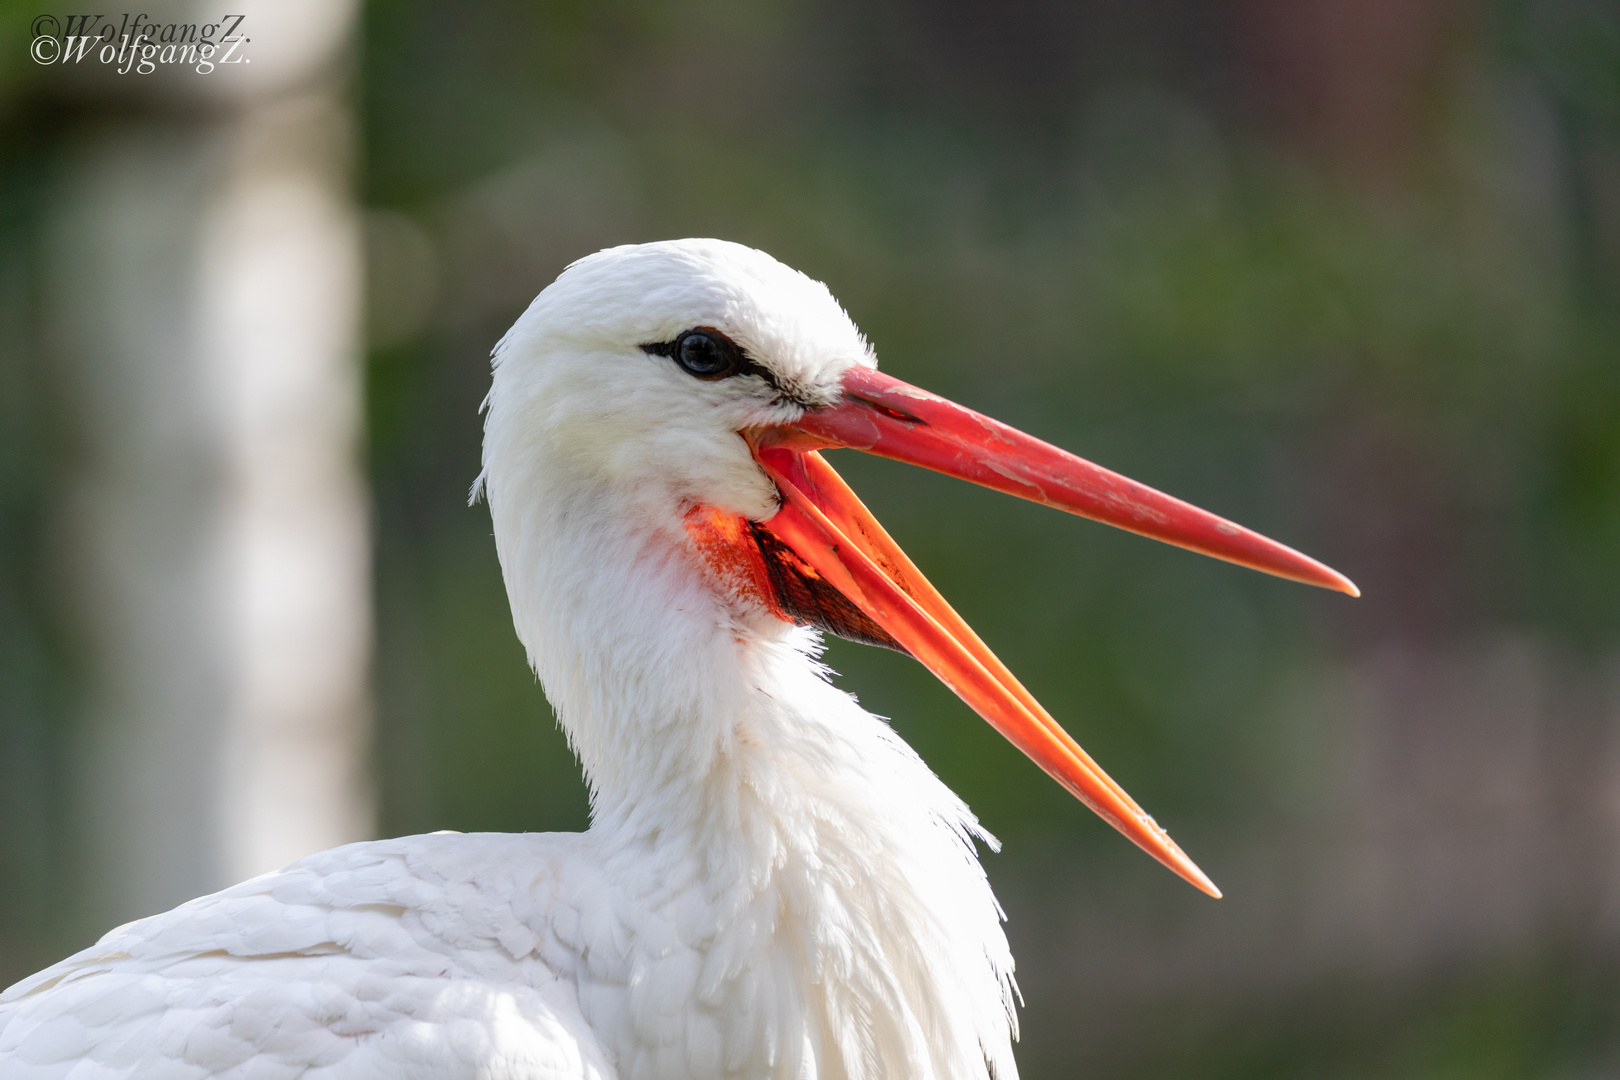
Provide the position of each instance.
(400, 959)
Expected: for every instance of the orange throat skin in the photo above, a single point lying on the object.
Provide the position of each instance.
(732, 560)
(753, 569)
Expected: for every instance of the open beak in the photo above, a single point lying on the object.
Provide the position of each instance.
(839, 541)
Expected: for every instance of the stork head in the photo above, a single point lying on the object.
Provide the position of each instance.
(696, 381)
(647, 360)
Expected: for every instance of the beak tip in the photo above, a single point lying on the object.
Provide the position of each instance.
(1189, 871)
(1168, 852)
(1314, 573)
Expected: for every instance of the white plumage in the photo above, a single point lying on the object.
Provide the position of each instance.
(773, 884)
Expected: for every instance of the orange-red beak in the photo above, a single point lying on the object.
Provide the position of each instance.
(839, 541)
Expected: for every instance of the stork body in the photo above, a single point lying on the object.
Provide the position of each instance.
(773, 884)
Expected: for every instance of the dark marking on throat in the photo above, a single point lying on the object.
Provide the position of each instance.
(808, 599)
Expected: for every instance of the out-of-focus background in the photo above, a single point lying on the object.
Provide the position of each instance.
(1347, 271)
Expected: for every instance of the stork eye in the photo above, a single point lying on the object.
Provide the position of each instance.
(707, 354)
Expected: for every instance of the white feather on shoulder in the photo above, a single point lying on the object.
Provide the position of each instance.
(411, 958)
(773, 885)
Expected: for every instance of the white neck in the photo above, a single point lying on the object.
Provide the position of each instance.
(829, 860)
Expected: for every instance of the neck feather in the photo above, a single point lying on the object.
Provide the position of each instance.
(719, 754)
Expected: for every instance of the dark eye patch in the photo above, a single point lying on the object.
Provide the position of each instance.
(705, 353)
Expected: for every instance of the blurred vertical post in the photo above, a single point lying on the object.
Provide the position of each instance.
(204, 301)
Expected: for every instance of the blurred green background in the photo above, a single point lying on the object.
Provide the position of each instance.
(1346, 272)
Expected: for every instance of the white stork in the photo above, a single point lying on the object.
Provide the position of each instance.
(773, 884)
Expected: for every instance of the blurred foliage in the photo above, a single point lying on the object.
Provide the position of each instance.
(1498, 1024)
(38, 671)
